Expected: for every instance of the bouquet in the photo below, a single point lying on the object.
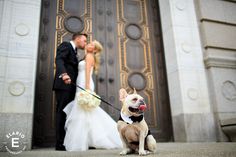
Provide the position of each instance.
(87, 101)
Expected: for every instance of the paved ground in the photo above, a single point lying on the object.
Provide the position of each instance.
(164, 150)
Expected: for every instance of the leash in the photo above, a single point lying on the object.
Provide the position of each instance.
(95, 96)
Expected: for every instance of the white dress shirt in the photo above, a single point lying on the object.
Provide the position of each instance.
(73, 44)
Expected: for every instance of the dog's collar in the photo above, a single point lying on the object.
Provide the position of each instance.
(125, 118)
(130, 119)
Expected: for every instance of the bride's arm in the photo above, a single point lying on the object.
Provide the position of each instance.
(89, 59)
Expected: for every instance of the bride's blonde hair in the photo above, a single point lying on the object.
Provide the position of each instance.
(97, 56)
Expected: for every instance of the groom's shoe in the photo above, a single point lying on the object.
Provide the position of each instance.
(60, 147)
(92, 148)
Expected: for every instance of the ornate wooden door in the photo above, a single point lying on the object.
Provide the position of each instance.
(132, 58)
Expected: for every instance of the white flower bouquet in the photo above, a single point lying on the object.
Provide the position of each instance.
(87, 101)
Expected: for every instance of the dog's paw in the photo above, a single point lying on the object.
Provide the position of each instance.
(143, 152)
(125, 151)
(151, 143)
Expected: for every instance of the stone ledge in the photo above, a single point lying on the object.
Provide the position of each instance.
(220, 62)
(218, 35)
(220, 57)
(229, 128)
(228, 122)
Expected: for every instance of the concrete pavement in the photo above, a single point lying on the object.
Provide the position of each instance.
(164, 150)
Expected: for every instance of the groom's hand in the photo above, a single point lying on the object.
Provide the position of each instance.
(66, 79)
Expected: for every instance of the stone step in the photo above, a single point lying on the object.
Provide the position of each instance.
(164, 150)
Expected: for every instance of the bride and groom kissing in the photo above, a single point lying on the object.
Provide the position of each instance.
(76, 128)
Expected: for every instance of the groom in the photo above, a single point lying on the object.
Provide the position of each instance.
(66, 72)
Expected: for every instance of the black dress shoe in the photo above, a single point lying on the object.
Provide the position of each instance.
(60, 148)
(92, 148)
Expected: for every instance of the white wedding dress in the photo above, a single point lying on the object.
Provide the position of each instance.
(86, 129)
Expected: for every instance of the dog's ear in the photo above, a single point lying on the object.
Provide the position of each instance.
(123, 94)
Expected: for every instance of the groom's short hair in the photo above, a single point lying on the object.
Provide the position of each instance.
(75, 35)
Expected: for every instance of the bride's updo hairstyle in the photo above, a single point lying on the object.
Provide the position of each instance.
(98, 49)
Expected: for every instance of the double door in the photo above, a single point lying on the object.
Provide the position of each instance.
(130, 33)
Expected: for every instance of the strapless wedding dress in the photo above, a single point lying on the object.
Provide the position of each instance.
(86, 129)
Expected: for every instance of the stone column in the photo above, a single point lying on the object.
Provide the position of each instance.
(217, 21)
(192, 116)
(19, 33)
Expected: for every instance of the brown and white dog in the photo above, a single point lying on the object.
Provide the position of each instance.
(132, 127)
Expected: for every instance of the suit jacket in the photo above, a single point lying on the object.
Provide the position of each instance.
(66, 62)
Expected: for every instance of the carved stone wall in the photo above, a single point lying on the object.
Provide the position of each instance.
(191, 111)
(218, 33)
(19, 33)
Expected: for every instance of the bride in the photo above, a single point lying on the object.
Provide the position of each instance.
(89, 128)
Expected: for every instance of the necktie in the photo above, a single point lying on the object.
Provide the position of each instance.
(76, 50)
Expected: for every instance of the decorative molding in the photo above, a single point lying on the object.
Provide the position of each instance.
(133, 31)
(180, 5)
(22, 29)
(217, 21)
(62, 15)
(186, 47)
(16, 88)
(137, 80)
(220, 57)
(192, 94)
(232, 1)
(220, 62)
(136, 32)
(228, 90)
(77, 26)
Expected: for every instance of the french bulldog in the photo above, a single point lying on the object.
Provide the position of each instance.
(132, 127)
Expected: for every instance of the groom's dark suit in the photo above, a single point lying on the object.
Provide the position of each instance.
(66, 62)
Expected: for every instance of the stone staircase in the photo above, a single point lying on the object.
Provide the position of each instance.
(164, 150)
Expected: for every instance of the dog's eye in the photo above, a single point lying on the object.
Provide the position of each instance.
(134, 99)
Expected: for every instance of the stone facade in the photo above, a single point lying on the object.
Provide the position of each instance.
(200, 54)
(192, 116)
(217, 20)
(199, 42)
(19, 33)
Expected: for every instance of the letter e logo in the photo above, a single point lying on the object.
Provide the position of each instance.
(15, 142)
